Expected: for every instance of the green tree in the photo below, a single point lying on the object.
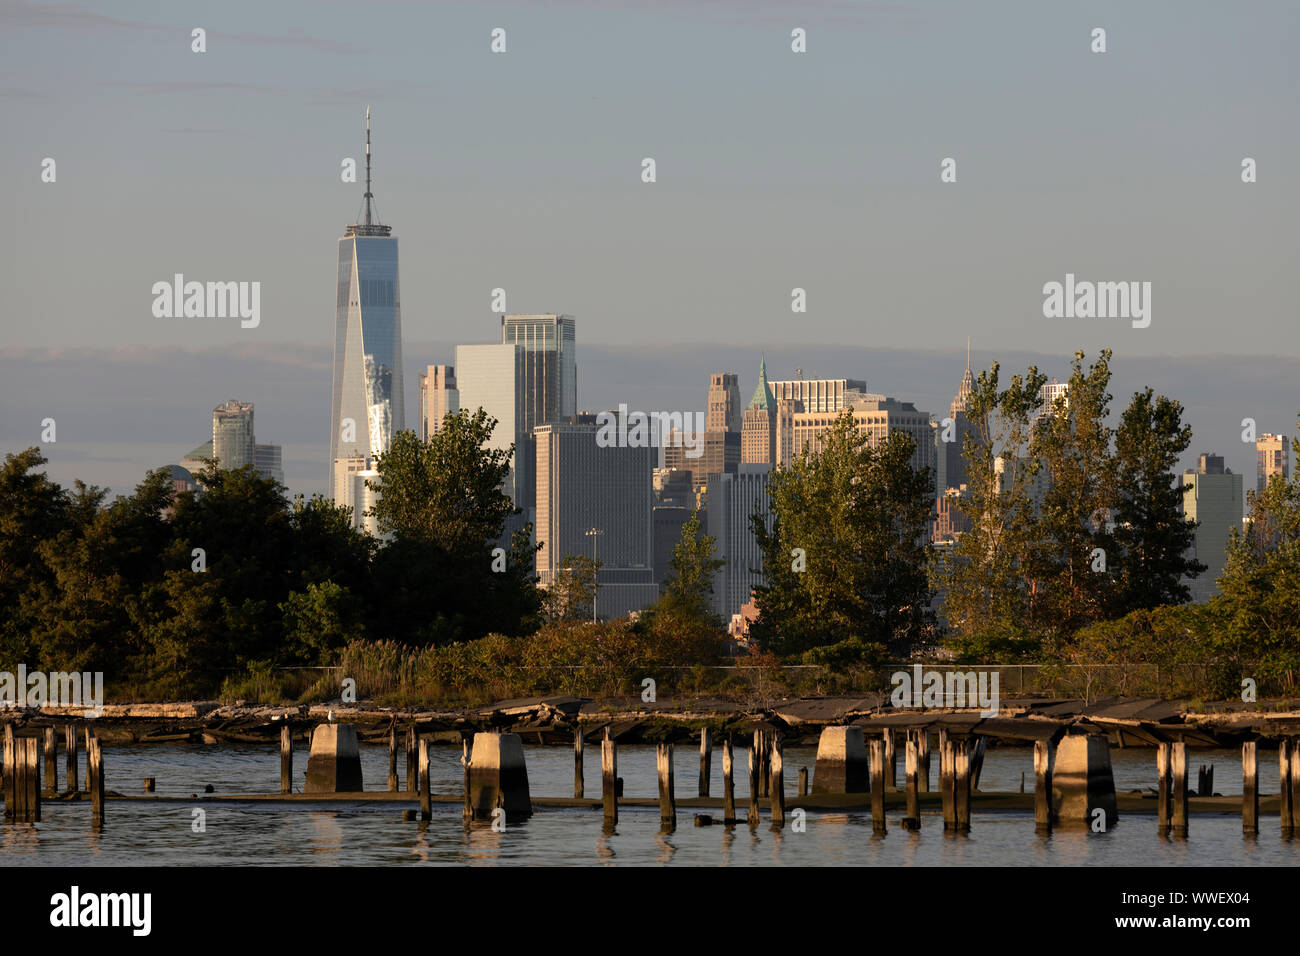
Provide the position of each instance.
(570, 596)
(689, 587)
(987, 596)
(1070, 567)
(33, 510)
(1152, 537)
(438, 576)
(845, 559)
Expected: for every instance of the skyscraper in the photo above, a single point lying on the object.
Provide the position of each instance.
(492, 377)
(733, 500)
(438, 397)
(724, 403)
(758, 424)
(583, 487)
(550, 366)
(232, 434)
(952, 436)
(1214, 500)
(367, 402)
(1271, 459)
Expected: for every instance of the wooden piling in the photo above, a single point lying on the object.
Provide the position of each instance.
(468, 811)
(1295, 784)
(578, 782)
(923, 759)
(1179, 768)
(412, 760)
(70, 742)
(95, 780)
(706, 759)
(912, 820)
(946, 782)
(977, 761)
(754, 761)
(426, 798)
(1164, 813)
(1249, 789)
(1042, 785)
(392, 759)
(876, 758)
(286, 759)
(776, 783)
(1286, 808)
(728, 784)
(609, 779)
(891, 761)
(961, 772)
(803, 781)
(667, 797)
(51, 761)
(10, 779)
(763, 743)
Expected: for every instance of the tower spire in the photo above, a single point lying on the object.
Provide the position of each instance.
(369, 194)
(968, 353)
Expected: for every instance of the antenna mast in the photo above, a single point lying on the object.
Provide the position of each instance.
(369, 194)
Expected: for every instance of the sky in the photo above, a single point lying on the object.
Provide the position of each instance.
(522, 170)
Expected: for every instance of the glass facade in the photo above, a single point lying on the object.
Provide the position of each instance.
(368, 387)
(491, 377)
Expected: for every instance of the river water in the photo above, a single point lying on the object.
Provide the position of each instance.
(138, 833)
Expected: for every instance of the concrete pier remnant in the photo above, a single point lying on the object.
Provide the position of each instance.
(498, 777)
(841, 762)
(1082, 781)
(334, 765)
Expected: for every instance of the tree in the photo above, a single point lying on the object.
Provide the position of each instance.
(439, 576)
(570, 596)
(1069, 568)
(33, 509)
(1152, 537)
(689, 587)
(846, 555)
(988, 599)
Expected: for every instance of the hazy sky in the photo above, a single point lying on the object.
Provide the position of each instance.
(775, 170)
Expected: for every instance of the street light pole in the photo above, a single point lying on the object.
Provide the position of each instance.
(593, 533)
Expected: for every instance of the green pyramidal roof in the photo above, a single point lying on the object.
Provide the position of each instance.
(763, 393)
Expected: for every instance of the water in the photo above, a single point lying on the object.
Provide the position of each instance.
(370, 833)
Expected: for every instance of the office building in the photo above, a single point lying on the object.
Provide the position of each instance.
(758, 424)
(875, 416)
(439, 398)
(724, 403)
(1270, 459)
(582, 488)
(492, 377)
(232, 434)
(550, 373)
(269, 461)
(1214, 500)
(732, 499)
(367, 405)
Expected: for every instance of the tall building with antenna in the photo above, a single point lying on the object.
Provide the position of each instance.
(368, 389)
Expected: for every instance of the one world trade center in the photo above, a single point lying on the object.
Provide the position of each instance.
(367, 408)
